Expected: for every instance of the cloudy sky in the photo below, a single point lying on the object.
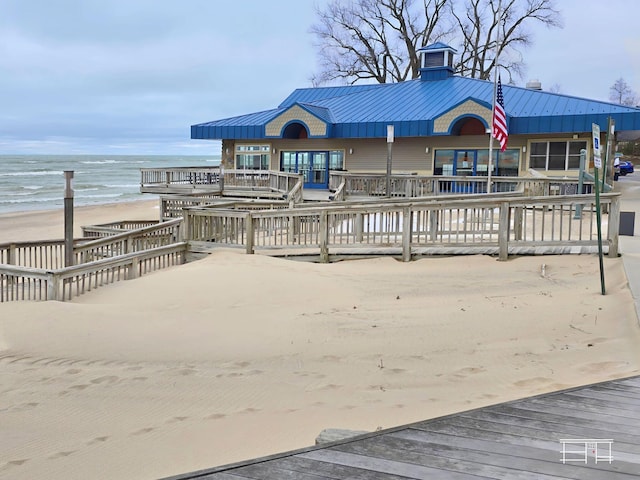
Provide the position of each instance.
(131, 76)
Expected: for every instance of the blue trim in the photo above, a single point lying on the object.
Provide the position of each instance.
(435, 73)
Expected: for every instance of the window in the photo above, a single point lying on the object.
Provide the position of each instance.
(336, 160)
(476, 162)
(443, 162)
(556, 155)
(253, 157)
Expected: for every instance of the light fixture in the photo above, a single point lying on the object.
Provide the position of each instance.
(226, 150)
(351, 151)
(575, 135)
(274, 150)
(426, 150)
(524, 149)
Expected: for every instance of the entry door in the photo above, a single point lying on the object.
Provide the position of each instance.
(314, 167)
(304, 166)
(319, 169)
(465, 164)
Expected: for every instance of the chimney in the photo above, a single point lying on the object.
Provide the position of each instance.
(534, 84)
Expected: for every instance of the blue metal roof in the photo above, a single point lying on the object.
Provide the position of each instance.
(436, 47)
(364, 111)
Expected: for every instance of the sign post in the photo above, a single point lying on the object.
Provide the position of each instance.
(389, 145)
(68, 219)
(597, 163)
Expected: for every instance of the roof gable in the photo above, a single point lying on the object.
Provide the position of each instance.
(443, 124)
(313, 118)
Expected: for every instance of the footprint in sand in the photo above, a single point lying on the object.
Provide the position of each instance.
(73, 371)
(106, 379)
(533, 382)
(97, 440)
(250, 410)
(603, 367)
(20, 407)
(396, 370)
(78, 387)
(142, 431)
(215, 416)
(62, 454)
(465, 372)
(14, 463)
(176, 419)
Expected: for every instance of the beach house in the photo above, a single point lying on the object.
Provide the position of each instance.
(437, 124)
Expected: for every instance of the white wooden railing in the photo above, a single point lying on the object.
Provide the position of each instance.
(487, 224)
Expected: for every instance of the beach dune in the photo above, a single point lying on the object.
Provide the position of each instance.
(238, 356)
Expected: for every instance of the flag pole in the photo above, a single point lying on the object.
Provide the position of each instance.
(493, 103)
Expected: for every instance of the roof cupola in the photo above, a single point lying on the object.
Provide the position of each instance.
(436, 61)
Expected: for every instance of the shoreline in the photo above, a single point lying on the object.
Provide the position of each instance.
(30, 225)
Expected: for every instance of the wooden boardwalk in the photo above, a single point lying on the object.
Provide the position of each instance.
(521, 439)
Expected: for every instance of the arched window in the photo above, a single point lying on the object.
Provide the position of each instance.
(468, 126)
(295, 130)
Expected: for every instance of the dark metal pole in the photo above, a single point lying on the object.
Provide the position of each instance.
(68, 219)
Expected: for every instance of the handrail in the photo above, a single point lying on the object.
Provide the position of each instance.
(141, 239)
(295, 194)
(339, 194)
(25, 283)
(495, 224)
(114, 228)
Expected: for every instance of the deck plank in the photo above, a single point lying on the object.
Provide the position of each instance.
(513, 455)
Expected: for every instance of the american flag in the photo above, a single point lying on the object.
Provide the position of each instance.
(500, 131)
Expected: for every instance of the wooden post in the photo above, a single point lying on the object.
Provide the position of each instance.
(518, 222)
(406, 234)
(614, 227)
(53, 286)
(250, 233)
(324, 234)
(433, 224)
(133, 269)
(359, 227)
(12, 254)
(68, 219)
(503, 232)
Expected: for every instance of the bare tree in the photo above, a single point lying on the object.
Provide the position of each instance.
(378, 39)
(480, 20)
(375, 39)
(622, 93)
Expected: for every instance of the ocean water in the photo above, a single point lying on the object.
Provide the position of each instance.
(36, 182)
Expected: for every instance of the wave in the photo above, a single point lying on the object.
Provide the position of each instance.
(31, 200)
(32, 174)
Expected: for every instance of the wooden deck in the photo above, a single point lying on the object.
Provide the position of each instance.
(516, 440)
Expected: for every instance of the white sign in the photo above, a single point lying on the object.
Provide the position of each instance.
(389, 133)
(597, 159)
(595, 130)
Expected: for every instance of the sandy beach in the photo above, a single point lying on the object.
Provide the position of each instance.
(237, 356)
